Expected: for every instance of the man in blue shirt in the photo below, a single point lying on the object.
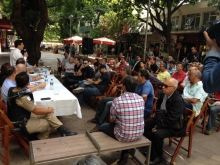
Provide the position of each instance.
(211, 74)
(9, 82)
(146, 90)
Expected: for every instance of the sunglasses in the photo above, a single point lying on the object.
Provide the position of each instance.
(166, 86)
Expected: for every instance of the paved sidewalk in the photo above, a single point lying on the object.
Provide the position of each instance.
(205, 149)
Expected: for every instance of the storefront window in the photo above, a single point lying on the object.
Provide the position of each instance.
(209, 17)
(175, 21)
(190, 22)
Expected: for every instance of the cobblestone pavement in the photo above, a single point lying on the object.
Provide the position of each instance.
(205, 149)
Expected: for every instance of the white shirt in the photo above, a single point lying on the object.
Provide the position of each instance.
(14, 55)
(68, 65)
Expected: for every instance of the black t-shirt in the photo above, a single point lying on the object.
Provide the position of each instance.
(87, 72)
(104, 83)
(153, 67)
(191, 56)
(76, 68)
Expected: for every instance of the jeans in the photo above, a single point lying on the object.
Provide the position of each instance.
(108, 129)
(103, 109)
(213, 112)
(71, 79)
(89, 90)
(188, 105)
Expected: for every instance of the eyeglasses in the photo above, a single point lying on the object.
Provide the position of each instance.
(166, 86)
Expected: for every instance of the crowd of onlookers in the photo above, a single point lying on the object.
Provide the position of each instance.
(182, 79)
(175, 86)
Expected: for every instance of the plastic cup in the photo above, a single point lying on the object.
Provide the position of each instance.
(56, 92)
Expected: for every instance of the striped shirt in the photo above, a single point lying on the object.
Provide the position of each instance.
(128, 112)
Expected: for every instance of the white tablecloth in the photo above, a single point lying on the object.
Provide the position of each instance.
(65, 103)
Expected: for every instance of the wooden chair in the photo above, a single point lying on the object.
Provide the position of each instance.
(179, 142)
(3, 107)
(106, 94)
(218, 129)
(153, 108)
(7, 135)
(203, 113)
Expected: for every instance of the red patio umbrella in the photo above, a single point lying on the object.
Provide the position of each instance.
(104, 41)
(73, 39)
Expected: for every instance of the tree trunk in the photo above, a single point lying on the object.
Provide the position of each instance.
(30, 19)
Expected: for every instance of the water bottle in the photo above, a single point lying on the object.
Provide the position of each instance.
(51, 84)
(45, 78)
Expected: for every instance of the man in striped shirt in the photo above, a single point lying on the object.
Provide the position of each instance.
(126, 117)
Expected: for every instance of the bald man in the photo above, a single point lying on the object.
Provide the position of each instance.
(156, 130)
(9, 82)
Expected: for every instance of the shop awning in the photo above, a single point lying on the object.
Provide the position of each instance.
(5, 24)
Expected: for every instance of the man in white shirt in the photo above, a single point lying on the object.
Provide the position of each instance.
(16, 53)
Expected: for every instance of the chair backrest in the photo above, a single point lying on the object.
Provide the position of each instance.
(190, 114)
(4, 118)
(115, 78)
(3, 107)
(154, 107)
(109, 89)
(203, 110)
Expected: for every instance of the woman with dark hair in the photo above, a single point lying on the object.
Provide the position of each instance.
(2, 74)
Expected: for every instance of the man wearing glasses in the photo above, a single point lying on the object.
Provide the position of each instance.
(156, 130)
(93, 88)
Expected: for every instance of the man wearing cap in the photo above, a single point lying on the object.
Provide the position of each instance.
(93, 88)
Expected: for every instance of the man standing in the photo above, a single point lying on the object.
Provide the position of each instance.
(137, 64)
(211, 74)
(179, 76)
(157, 130)
(93, 88)
(163, 75)
(152, 64)
(193, 93)
(126, 117)
(73, 50)
(16, 53)
(194, 55)
(145, 90)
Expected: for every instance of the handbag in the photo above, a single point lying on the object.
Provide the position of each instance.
(161, 114)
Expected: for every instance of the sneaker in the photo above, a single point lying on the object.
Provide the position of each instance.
(95, 129)
(78, 90)
(208, 132)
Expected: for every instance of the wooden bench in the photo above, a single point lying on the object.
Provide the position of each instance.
(48, 150)
(62, 148)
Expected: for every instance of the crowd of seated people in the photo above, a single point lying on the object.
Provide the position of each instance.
(129, 111)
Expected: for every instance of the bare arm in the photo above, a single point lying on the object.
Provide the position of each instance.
(191, 100)
(34, 88)
(38, 110)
